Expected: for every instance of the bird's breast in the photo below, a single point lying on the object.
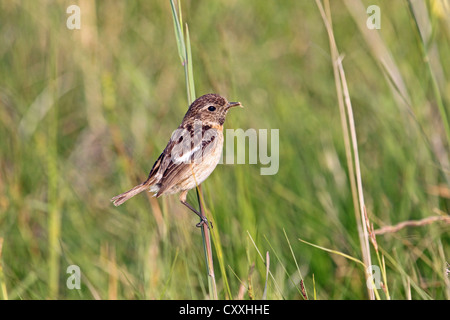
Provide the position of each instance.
(212, 153)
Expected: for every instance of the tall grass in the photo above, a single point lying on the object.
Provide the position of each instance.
(185, 53)
(350, 140)
(85, 113)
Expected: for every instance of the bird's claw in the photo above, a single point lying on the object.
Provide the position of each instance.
(202, 222)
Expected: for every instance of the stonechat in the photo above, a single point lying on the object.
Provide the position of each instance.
(192, 154)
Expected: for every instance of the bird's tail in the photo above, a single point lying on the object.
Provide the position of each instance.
(121, 198)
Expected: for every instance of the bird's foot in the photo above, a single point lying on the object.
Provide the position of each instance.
(202, 222)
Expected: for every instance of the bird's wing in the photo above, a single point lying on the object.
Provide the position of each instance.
(177, 164)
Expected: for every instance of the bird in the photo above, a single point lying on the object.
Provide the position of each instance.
(191, 155)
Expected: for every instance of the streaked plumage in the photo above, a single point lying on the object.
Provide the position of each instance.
(192, 153)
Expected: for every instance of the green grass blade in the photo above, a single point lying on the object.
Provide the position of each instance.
(264, 261)
(284, 267)
(163, 292)
(178, 35)
(335, 252)
(3, 291)
(190, 69)
(295, 260)
(264, 296)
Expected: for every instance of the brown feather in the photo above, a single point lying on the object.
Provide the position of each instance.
(168, 175)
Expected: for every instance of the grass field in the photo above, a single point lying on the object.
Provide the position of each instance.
(85, 113)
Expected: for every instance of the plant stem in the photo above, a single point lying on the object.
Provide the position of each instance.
(185, 53)
(208, 248)
(351, 143)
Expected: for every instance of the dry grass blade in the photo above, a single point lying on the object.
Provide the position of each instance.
(412, 223)
(348, 126)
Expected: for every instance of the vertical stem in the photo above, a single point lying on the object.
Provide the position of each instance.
(208, 248)
(434, 81)
(54, 215)
(188, 68)
(349, 137)
(185, 53)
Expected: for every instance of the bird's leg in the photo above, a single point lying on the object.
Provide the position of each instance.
(204, 220)
(183, 195)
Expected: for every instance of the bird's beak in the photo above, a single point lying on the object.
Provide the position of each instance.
(234, 104)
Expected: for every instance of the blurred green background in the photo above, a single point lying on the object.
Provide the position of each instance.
(85, 113)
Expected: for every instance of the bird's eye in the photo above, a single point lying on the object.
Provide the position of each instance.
(212, 108)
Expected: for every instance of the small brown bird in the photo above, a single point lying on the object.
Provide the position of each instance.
(192, 153)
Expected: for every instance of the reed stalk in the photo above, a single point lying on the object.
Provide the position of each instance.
(185, 53)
